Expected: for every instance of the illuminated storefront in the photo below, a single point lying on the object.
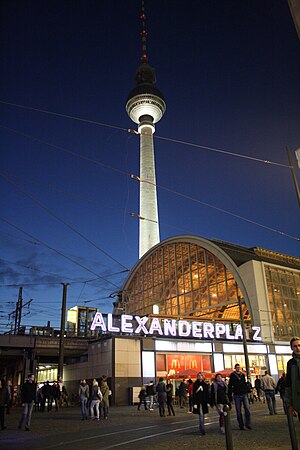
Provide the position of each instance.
(183, 309)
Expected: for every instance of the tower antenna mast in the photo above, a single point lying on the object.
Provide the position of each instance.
(145, 106)
(144, 58)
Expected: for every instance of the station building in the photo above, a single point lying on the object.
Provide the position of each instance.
(183, 309)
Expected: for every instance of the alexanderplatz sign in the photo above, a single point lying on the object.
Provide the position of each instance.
(153, 326)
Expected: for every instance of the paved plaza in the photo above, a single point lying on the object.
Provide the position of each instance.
(127, 428)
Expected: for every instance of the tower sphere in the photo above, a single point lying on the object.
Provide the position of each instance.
(145, 99)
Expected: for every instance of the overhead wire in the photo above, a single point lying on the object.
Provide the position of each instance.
(49, 211)
(129, 130)
(164, 188)
(57, 251)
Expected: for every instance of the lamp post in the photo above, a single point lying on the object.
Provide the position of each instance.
(244, 333)
(62, 332)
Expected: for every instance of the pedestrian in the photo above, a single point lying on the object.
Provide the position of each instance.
(105, 397)
(219, 398)
(10, 393)
(238, 390)
(96, 398)
(64, 396)
(292, 391)
(84, 394)
(250, 391)
(269, 386)
(55, 391)
(280, 387)
(28, 393)
(161, 396)
(4, 401)
(169, 390)
(46, 393)
(201, 396)
(182, 392)
(142, 397)
(150, 389)
(190, 395)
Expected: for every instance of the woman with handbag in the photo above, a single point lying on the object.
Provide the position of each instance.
(219, 398)
(96, 398)
(201, 394)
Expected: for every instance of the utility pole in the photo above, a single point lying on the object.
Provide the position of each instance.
(293, 174)
(244, 334)
(62, 333)
(18, 312)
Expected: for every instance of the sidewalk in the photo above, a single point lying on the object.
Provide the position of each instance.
(269, 432)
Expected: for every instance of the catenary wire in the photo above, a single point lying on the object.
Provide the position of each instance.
(41, 205)
(56, 251)
(129, 130)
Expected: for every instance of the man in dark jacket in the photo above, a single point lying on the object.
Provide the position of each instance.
(292, 387)
(238, 388)
(28, 393)
(150, 390)
(201, 397)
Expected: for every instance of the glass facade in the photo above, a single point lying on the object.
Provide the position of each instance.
(184, 279)
(284, 299)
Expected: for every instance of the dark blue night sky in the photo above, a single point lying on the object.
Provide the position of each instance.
(229, 71)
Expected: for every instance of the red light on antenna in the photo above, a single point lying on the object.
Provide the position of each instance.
(143, 17)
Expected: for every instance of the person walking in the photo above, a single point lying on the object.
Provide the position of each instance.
(96, 398)
(4, 402)
(292, 391)
(150, 389)
(161, 397)
(238, 390)
(142, 397)
(46, 396)
(55, 391)
(84, 394)
(182, 392)
(257, 385)
(201, 397)
(269, 386)
(105, 397)
(28, 393)
(64, 396)
(280, 387)
(219, 398)
(190, 395)
(169, 390)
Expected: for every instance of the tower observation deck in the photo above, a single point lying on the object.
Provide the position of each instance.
(145, 106)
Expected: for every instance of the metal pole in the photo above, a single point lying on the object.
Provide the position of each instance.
(20, 308)
(228, 429)
(292, 430)
(293, 174)
(62, 332)
(244, 334)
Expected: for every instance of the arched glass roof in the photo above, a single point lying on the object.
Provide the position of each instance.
(186, 276)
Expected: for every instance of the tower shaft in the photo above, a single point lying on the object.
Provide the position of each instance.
(149, 228)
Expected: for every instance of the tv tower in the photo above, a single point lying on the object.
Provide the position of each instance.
(145, 106)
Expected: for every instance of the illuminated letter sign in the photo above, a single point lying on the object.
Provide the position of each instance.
(155, 326)
(126, 327)
(177, 328)
(98, 322)
(169, 327)
(184, 328)
(220, 329)
(110, 326)
(141, 325)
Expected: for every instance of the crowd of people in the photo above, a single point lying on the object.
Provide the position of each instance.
(94, 397)
(218, 392)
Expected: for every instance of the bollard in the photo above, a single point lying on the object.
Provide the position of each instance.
(292, 430)
(228, 429)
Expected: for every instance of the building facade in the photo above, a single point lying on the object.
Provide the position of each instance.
(181, 310)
